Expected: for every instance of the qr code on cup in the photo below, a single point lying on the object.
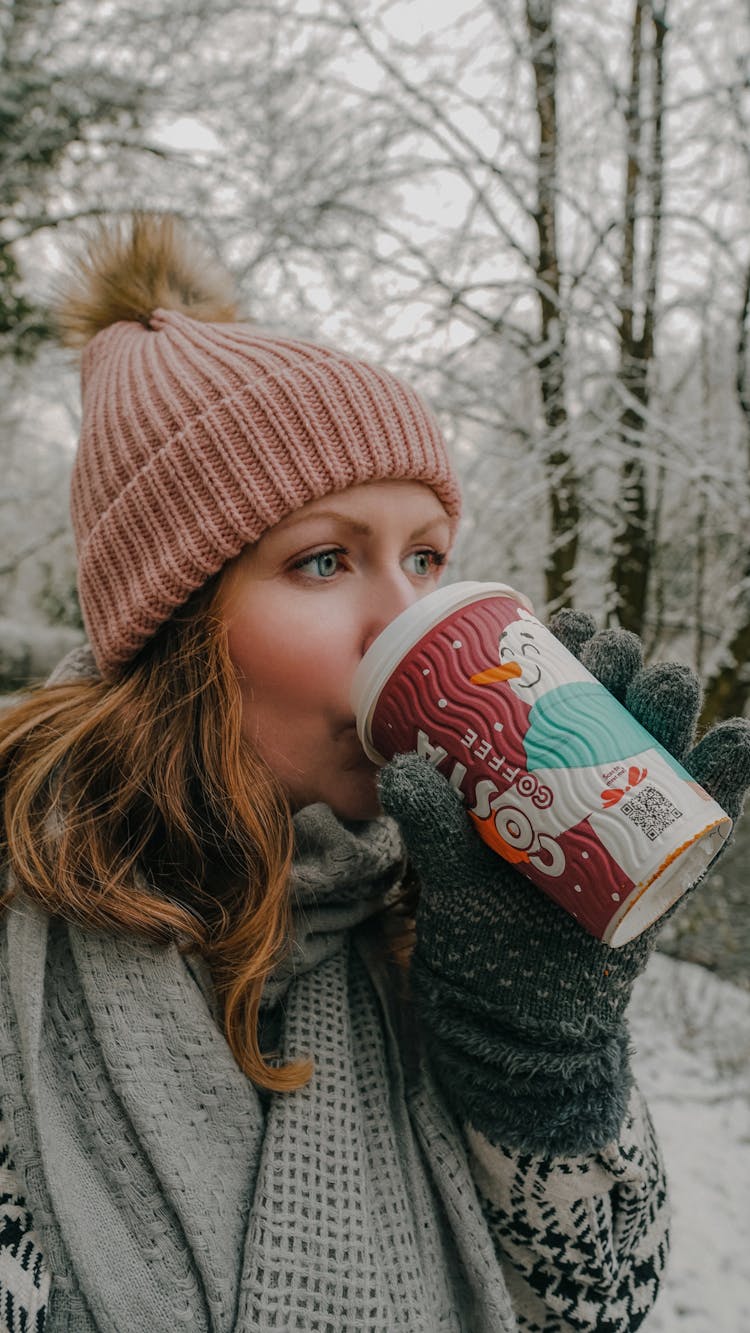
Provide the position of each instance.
(651, 811)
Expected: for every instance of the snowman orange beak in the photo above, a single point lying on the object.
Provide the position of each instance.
(505, 671)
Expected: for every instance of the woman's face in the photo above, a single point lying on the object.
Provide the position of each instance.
(302, 605)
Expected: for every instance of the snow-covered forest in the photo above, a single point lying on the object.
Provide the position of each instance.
(536, 210)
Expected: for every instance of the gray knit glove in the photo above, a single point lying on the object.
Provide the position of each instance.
(523, 1012)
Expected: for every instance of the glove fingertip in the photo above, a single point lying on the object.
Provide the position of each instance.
(411, 788)
(614, 657)
(666, 698)
(720, 762)
(572, 628)
(430, 814)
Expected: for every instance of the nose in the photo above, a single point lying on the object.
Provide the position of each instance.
(386, 603)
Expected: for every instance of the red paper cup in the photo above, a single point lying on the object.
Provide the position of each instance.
(557, 776)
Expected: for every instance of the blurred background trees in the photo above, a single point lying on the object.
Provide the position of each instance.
(535, 209)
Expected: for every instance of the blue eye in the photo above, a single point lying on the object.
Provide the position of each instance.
(325, 562)
(428, 561)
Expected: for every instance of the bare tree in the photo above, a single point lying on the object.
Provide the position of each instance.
(450, 201)
(62, 102)
(728, 688)
(633, 538)
(561, 474)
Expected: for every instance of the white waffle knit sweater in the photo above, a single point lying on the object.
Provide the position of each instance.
(144, 1182)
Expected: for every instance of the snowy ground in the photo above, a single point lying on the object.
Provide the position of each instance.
(692, 1037)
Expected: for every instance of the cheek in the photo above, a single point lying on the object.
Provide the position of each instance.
(294, 665)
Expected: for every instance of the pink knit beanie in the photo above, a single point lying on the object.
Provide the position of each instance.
(199, 432)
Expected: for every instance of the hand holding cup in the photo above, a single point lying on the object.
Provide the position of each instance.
(523, 1011)
(557, 775)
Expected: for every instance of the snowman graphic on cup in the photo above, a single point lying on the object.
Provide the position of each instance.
(579, 743)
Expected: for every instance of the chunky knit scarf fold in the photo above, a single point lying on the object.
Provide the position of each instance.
(166, 1195)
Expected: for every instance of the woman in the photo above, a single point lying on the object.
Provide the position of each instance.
(241, 1088)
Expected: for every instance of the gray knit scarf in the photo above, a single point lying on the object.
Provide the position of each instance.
(167, 1194)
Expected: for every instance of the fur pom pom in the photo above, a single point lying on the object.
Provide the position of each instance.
(132, 267)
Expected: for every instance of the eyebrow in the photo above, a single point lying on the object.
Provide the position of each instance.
(355, 525)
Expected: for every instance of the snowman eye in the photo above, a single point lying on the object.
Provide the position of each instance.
(529, 647)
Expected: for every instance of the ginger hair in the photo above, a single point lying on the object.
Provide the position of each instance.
(137, 805)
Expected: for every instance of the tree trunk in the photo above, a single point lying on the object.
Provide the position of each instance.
(560, 470)
(728, 688)
(633, 540)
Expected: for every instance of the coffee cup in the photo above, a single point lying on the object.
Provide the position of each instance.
(556, 775)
